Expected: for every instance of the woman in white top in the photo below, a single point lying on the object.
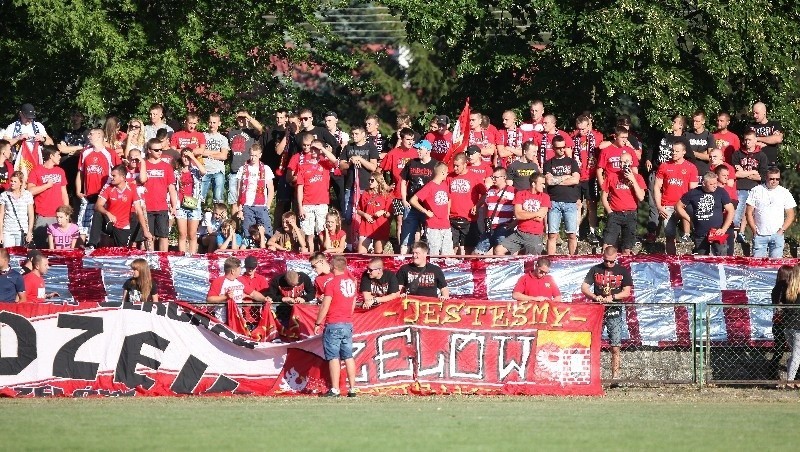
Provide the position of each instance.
(16, 214)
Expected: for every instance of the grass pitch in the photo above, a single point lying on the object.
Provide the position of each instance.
(634, 419)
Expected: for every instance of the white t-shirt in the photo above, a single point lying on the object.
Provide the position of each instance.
(215, 142)
(769, 206)
(20, 206)
(250, 195)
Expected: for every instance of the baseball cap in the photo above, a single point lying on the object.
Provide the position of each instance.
(28, 111)
(424, 144)
(250, 262)
(442, 119)
(331, 113)
(472, 149)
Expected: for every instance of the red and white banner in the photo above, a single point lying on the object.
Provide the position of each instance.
(411, 346)
(652, 318)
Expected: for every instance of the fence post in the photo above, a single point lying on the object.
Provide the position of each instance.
(698, 329)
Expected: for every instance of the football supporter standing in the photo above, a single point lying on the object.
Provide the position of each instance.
(441, 140)
(751, 170)
(480, 137)
(724, 179)
(769, 134)
(510, 140)
(156, 123)
(336, 314)
(711, 216)
(497, 208)
(189, 137)
(466, 189)
(621, 195)
(586, 152)
(563, 185)
(701, 143)
(770, 212)
(724, 139)
(416, 173)
(48, 185)
(433, 201)
(537, 285)
(214, 157)
(519, 172)
(94, 168)
(374, 136)
(654, 161)
(159, 186)
(607, 283)
(313, 190)
(255, 192)
(530, 210)
(673, 180)
(546, 140)
(245, 133)
(537, 118)
(393, 165)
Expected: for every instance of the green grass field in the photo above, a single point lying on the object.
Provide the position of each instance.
(635, 419)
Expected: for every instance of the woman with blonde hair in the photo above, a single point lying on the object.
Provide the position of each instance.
(115, 137)
(16, 213)
(375, 209)
(141, 287)
(135, 138)
(791, 324)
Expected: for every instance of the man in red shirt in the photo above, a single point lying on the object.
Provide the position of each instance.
(610, 156)
(393, 164)
(441, 140)
(433, 200)
(94, 167)
(336, 314)
(510, 140)
(230, 287)
(48, 185)
(466, 189)
(160, 183)
(476, 163)
(250, 278)
(115, 202)
(724, 139)
(34, 280)
(313, 190)
(530, 210)
(480, 137)
(537, 285)
(673, 180)
(321, 266)
(189, 137)
(622, 193)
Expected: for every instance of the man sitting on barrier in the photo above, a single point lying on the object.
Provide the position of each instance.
(537, 285)
(421, 277)
(230, 287)
(609, 283)
(378, 285)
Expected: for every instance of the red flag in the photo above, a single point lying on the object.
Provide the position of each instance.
(460, 136)
(27, 158)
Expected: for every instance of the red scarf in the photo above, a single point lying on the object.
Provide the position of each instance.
(261, 199)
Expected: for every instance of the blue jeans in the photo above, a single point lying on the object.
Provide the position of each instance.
(218, 181)
(255, 215)
(738, 216)
(337, 341)
(768, 245)
(233, 188)
(411, 223)
(568, 211)
(347, 206)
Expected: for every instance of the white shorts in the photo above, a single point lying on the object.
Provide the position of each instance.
(314, 221)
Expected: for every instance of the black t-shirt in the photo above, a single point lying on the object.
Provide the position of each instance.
(765, 130)
(269, 142)
(699, 142)
(560, 167)
(378, 142)
(319, 133)
(707, 209)
(365, 151)
(417, 174)
(422, 281)
(519, 174)
(6, 169)
(69, 163)
(609, 281)
(755, 161)
(279, 287)
(665, 150)
(134, 295)
(384, 285)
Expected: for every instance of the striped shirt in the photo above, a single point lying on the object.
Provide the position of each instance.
(504, 205)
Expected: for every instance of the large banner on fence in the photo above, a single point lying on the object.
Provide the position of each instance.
(657, 316)
(417, 346)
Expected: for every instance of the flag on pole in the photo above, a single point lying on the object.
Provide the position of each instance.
(460, 136)
(27, 158)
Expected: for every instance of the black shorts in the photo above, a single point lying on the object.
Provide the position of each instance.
(121, 237)
(590, 189)
(158, 222)
(136, 229)
(459, 227)
(621, 228)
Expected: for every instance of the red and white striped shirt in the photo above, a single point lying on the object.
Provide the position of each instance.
(504, 205)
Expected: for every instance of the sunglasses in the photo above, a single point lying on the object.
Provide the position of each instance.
(374, 269)
(559, 147)
(305, 118)
(610, 261)
(156, 150)
(134, 127)
(372, 180)
(543, 272)
(241, 118)
(134, 161)
(498, 177)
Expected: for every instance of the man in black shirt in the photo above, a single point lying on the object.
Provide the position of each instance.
(563, 177)
(359, 156)
(701, 143)
(769, 133)
(519, 171)
(288, 289)
(415, 175)
(378, 285)
(711, 217)
(610, 283)
(422, 278)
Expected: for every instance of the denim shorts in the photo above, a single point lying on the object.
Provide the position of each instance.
(566, 211)
(337, 341)
(189, 214)
(614, 329)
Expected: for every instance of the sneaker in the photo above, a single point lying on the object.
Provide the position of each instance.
(593, 238)
(686, 238)
(351, 393)
(330, 393)
(740, 238)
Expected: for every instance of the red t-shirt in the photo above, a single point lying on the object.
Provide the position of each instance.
(441, 143)
(531, 202)
(119, 202)
(321, 282)
(297, 160)
(483, 170)
(394, 162)
(315, 177)
(732, 192)
(465, 192)
(728, 142)
(587, 158)
(621, 196)
(342, 290)
(501, 207)
(676, 177)
(95, 168)
(610, 158)
(537, 287)
(222, 285)
(482, 138)
(34, 288)
(46, 202)
(160, 176)
(257, 282)
(436, 197)
(336, 238)
(184, 139)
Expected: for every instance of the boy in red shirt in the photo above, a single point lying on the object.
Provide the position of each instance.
(466, 190)
(673, 180)
(94, 168)
(393, 163)
(189, 137)
(433, 200)
(313, 190)
(336, 313)
(48, 185)
(230, 286)
(34, 280)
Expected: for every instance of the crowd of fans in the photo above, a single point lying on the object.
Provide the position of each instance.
(298, 186)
